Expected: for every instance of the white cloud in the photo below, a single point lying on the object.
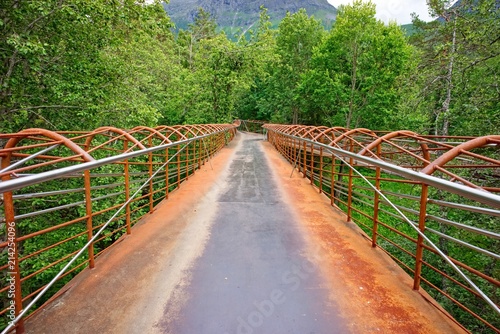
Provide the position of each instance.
(395, 10)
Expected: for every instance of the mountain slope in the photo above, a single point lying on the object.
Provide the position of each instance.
(232, 15)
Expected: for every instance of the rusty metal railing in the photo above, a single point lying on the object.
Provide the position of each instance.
(431, 203)
(75, 193)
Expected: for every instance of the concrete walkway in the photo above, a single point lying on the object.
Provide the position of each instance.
(254, 275)
(242, 248)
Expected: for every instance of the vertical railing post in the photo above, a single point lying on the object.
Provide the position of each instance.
(376, 202)
(150, 167)
(187, 161)
(88, 208)
(305, 159)
(210, 146)
(289, 142)
(285, 144)
(286, 147)
(14, 292)
(283, 148)
(332, 188)
(280, 144)
(295, 156)
(215, 145)
(200, 152)
(166, 174)
(203, 151)
(312, 163)
(349, 190)
(289, 148)
(349, 193)
(420, 241)
(126, 173)
(321, 169)
(178, 167)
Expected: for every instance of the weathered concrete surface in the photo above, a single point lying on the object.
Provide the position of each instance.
(242, 248)
(254, 275)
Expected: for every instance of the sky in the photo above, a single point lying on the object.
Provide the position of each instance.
(398, 10)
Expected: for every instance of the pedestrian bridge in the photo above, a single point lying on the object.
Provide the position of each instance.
(271, 229)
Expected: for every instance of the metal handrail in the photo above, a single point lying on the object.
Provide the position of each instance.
(414, 226)
(306, 149)
(6, 186)
(458, 189)
(149, 171)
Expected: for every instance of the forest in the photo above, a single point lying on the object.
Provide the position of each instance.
(81, 64)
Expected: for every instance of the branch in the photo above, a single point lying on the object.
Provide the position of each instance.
(45, 107)
(474, 63)
(31, 25)
(46, 120)
(12, 63)
(427, 87)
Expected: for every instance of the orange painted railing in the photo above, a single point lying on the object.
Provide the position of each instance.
(59, 189)
(431, 203)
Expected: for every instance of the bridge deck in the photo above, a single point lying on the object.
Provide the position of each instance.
(242, 248)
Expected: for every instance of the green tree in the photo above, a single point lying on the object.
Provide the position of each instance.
(296, 38)
(354, 76)
(457, 77)
(260, 50)
(204, 27)
(58, 62)
(214, 75)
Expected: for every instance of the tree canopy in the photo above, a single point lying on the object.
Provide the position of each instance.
(80, 64)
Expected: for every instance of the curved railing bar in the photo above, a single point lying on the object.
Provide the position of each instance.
(302, 130)
(59, 139)
(327, 131)
(153, 132)
(312, 130)
(121, 132)
(349, 133)
(458, 150)
(398, 134)
(386, 138)
(11, 143)
(172, 129)
(188, 129)
(468, 192)
(54, 174)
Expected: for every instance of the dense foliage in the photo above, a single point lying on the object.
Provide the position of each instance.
(80, 64)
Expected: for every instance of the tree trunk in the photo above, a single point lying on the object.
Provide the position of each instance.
(445, 110)
(295, 116)
(353, 85)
